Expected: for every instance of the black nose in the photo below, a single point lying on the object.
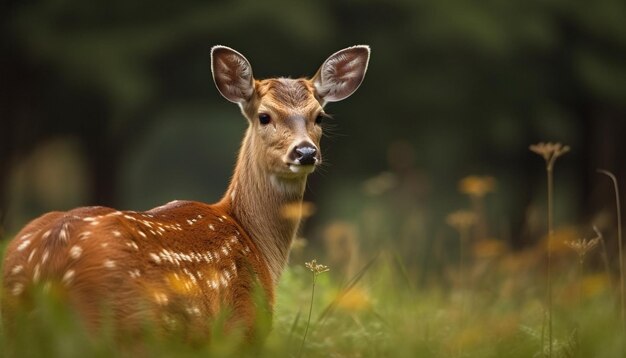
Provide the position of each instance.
(305, 154)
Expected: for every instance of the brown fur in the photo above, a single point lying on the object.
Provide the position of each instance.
(112, 261)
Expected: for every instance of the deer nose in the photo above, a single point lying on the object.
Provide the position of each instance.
(305, 154)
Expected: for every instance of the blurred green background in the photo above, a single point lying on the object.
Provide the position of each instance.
(112, 103)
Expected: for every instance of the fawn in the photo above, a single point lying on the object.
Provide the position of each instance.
(182, 264)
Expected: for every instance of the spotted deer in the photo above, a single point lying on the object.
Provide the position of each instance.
(184, 263)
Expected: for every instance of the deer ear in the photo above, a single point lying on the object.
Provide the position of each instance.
(232, 74)
(341, 74)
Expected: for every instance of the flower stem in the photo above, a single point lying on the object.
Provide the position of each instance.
(581, 263)
(308, 321)
(619, 237)
(550, 236)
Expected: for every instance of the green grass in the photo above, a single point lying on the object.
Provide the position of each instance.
(383, 315)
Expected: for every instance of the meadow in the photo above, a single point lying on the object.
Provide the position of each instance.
(476, 297)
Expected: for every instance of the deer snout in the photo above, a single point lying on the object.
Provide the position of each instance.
(304, 154)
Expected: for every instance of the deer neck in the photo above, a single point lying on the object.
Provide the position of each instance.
(256, 198)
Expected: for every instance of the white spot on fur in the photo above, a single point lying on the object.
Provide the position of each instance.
(165, 255)
(223, 281)
(17, 269)
(44, 257)
(17, 289)
(23, 245)
(134, 273)
(89, 219)
(155, 258)
(160, 298)
(32, 254)
(83, 235)
(211, 227)
(64, 234)
(109, 263)
(25, 236)
(75, 252)
(46, 234)
(68, 277)
(116, 233)
(212, 284)
(193, 310)
(36, 273)
(191, 275)
(141, 233)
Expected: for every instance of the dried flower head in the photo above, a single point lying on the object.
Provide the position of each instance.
(477, 186)
(461, 219)
(316, 268)
(583, 246)
(549, 151)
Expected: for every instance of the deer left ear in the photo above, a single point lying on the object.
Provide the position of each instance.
(341, 74)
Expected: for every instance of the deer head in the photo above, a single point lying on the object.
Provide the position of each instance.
(285, 114)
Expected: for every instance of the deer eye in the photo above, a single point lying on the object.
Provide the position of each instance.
(319, 119)
(264, 118)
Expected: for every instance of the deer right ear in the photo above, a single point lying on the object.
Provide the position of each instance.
(232, 74)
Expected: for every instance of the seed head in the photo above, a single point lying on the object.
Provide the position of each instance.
(316, 268)
(549, 151)
(583, 246)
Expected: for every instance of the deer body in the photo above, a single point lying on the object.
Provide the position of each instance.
(182, 264)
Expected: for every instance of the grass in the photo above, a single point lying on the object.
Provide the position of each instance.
(491, 304)
(381, 316)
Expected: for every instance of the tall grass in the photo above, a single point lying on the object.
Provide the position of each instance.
(550, 153)
(619, 241)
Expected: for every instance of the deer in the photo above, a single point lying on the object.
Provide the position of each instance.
(182, 264)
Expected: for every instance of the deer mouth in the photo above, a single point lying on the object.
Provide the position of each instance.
(302, 169)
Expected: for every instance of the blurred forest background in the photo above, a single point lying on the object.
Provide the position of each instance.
(112, 103)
